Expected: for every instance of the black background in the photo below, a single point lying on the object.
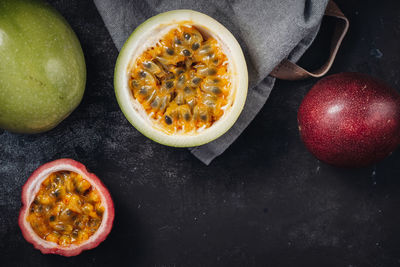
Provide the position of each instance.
(265, 202)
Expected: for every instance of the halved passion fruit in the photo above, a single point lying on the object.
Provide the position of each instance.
(65, 209)
(181, 78)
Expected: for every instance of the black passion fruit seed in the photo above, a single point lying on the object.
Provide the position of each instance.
(173, 80)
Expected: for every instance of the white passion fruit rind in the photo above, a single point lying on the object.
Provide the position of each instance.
(181, 79)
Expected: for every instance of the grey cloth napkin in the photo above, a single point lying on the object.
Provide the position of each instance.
(267, 30)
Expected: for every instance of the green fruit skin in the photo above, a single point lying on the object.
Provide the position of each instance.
(42, 67)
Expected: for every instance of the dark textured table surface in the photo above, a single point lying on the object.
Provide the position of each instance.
(265, 202)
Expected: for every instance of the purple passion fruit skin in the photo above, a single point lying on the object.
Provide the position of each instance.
(350, 120)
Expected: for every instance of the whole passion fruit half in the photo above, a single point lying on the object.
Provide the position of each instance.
(42, 68)
(350, 120)
(181, 78)
(65, 209)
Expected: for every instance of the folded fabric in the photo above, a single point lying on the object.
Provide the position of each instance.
(267, 30)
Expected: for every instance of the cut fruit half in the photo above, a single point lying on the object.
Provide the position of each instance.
(181, 79)
(65, 209)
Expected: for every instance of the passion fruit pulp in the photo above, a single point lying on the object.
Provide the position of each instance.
(183, 82)
(181, 78)
(65, 209)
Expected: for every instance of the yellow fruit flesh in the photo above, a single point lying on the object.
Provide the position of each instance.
(183, 82)
(66, 210)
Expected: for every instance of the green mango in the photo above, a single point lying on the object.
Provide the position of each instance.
(42, 67)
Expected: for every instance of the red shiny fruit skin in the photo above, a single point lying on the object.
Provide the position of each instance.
(350, 120)
(30, 189)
